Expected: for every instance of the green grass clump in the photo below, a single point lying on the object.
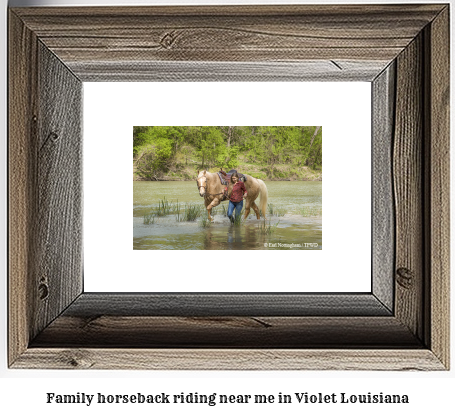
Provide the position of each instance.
(310, 211)
(164, 208)
(175, 208)
(190, 213)
(149, 218)
(275, 210)
(237, 220)
(267, 228)
(205, 222)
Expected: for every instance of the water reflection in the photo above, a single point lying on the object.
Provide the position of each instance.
(300, 225)
(234, 238)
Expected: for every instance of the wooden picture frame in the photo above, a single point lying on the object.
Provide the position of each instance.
(403, 324)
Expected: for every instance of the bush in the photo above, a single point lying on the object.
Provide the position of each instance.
(258, 175)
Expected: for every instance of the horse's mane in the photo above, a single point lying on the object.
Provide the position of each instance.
(207, 173)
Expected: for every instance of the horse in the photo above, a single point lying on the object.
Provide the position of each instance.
(211, 189)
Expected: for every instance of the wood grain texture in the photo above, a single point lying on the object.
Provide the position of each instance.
(228, 34)
(383, 215)
(44, 187)
(215, 305)
(407, 175)
(439, 190)
(256, 332)
(204, 71)
(235, 359)
(57, 270)
(22, 94)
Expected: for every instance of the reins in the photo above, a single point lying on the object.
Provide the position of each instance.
(205, 187)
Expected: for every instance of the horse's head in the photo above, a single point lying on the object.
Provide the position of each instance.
(202, 183)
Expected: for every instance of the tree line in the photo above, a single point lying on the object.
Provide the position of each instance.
(156, 150)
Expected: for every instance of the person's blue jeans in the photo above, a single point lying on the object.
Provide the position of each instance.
(238, 208)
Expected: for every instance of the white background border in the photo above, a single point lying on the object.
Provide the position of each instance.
(342, 108)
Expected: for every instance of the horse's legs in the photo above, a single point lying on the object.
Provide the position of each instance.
(215, 202)
(247, 208)
(256, 209)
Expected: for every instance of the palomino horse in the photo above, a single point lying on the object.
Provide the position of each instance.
(211, 189)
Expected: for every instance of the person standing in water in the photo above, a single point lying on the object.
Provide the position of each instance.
(236, 197)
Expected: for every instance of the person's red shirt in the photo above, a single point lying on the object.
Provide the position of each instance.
(237, 192)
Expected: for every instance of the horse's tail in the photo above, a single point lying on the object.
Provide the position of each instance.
(263, 193)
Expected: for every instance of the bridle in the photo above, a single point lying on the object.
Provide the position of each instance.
(205, 188)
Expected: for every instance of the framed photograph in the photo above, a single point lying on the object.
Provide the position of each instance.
(237, 201)
(401, 323)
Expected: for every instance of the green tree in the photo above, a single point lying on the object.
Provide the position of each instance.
(228, 157)
(210, 145)
(158, 150)
(314, 153)
(274, 143)
(154, 151)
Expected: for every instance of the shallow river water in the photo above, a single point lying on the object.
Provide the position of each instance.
(296, 219)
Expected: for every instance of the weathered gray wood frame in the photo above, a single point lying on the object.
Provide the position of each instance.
(403, 50)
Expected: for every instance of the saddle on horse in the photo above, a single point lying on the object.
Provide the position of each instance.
(226, 177)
